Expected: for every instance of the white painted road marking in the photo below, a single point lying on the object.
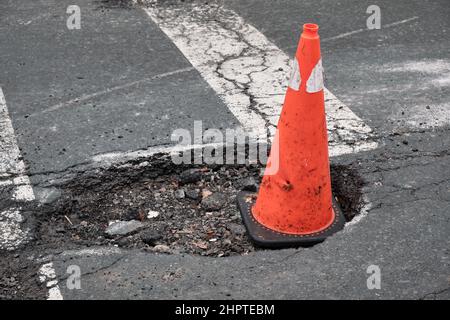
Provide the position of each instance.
(11, 233)
(107, 159)
(249, 73)
(12, 174)
(350, 33)
(109, 90)
(47, 275)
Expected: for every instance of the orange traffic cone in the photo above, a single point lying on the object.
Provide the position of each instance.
(295, 205)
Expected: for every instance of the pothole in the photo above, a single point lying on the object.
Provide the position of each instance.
(166, 208)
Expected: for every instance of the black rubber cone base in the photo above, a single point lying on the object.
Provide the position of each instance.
(267, 238)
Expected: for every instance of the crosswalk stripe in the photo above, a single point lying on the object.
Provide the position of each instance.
(248, 72)
(13, 175)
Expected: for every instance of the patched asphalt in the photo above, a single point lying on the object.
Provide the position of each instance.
(378, 74)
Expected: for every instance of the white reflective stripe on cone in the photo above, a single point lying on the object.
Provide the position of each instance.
(315, 81)
(295, 80)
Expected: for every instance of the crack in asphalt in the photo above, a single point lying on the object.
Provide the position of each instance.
(434, 293)
(99, 269)
(93, 166)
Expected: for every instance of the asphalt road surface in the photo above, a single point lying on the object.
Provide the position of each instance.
(114, 91)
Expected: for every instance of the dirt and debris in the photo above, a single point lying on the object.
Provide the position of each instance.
(18, 277)
(189, 211)
(142, 202)
(172, 208)
(347, 185)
